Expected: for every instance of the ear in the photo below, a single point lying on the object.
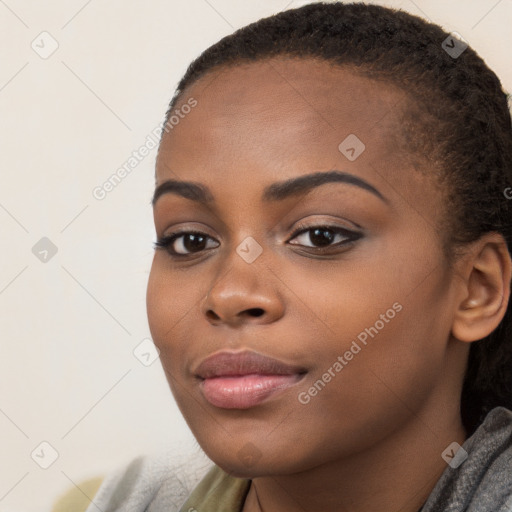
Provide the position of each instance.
(485, 292)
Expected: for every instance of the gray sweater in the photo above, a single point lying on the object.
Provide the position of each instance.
(482, 482)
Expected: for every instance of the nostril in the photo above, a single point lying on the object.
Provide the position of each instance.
(255, 311)
(212, 315)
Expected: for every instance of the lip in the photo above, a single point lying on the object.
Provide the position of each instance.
(227, 364)
(240, 380)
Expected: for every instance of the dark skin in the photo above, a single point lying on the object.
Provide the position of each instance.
(372, 438)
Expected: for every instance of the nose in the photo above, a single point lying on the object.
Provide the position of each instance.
(246, 293)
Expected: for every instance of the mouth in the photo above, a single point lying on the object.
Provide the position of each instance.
(240, 380)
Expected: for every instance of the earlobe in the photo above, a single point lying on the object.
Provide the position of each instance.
(486, 289)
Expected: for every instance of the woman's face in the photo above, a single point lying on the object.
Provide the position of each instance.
(343, 281)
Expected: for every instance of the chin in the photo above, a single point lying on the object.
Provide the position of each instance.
(248, 462)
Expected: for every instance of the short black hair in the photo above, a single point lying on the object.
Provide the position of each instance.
(458, 121)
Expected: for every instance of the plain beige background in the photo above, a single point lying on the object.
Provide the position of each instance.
(69, 324)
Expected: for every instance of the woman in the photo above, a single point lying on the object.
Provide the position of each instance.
(330, 287)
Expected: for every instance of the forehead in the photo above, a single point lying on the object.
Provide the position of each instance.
(275, 119)
(284, 105)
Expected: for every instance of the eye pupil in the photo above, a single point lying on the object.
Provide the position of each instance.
(321, 236)
(193, 242)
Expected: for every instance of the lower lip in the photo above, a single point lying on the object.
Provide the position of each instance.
(245, 391)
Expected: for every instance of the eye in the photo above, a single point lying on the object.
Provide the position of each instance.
(324, 236)
(183, 243)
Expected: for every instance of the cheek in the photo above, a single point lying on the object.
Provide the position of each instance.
(376, 387)
(388, 320)
(170, 302)
(159, 303)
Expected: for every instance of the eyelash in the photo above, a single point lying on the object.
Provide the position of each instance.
(166, 242)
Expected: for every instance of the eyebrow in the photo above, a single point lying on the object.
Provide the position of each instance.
(274, 192)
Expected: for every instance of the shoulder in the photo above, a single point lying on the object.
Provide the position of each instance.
(152, 483)
(479, 478)
(492, 448)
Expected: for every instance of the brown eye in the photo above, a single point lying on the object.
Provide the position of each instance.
(185, 242)
(324, 236)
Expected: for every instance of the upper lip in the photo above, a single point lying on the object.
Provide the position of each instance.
(243, 363)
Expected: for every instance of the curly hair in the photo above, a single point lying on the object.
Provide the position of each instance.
(457, 121)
